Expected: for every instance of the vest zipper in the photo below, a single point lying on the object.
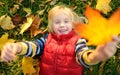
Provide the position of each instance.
(56, 51)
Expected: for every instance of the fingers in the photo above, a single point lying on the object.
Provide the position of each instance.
(110, 49)
(7, 54)
(110, 52)
(116, 39)
(107, 51)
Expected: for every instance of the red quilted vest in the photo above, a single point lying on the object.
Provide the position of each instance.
(59, 55)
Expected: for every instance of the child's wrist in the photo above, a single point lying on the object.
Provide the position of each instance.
(19, 48)
(90, 58)
(22, 48)
(96, 56)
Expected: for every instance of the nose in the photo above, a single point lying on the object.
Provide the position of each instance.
(62, 24)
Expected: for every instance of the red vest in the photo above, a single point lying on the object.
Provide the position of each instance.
(59, 55)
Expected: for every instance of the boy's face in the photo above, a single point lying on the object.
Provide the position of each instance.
(61, 24)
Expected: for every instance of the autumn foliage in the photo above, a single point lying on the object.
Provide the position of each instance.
(99, 29)
(22, 20)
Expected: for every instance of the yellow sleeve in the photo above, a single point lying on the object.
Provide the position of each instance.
(24, 48)
(33, 49)
(85, 57)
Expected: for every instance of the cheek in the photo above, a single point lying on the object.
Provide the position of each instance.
(70, 26)
(55, 29)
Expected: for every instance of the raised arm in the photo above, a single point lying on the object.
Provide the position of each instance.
(26, 48)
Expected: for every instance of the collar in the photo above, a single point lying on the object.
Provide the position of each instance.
(64, 36)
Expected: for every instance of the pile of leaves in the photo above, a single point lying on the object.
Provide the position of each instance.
(22, 20)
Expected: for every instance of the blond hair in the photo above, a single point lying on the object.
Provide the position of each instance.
(58, 9)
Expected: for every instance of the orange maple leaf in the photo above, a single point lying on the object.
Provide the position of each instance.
(99, 29)
(34, 29)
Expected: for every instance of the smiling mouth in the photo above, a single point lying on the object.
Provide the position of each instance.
(62, 31)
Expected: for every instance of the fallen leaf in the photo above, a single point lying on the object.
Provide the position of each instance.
(32, 24)
(103, 6)
(53, 2)
(27, 24)
(41, 12)
(17, 19)
(6, 22)
(34, 29)
(28, 11)
(14, 9)
(4, 39)
(99, 30)
(1, 3)
(28, 64)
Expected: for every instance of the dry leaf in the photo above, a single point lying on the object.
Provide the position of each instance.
(28, 64)
(32, 24)
(34, 29)
(4, 39)
(99, 30)
(6, 22)
(14, 9)
(17, 19)
(53, 2)
(103, 6)
(28, 11)
(1, 3)
(27, 24)
(41, 12)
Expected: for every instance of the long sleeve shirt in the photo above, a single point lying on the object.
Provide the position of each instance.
(37, 48)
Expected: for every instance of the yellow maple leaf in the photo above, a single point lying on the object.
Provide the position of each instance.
(28, 64)
(103, 6)
(99, 30)
(4, 39)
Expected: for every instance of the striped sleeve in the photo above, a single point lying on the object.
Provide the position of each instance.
(81, 47)
(33, 48)
(82, 53)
